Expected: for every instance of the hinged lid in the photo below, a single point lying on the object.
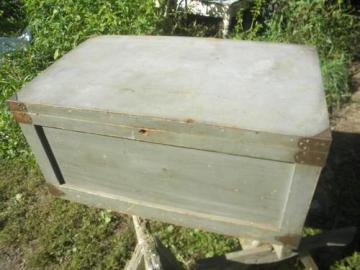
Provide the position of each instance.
(175, 82)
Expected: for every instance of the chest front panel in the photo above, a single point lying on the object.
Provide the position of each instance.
(229, 186)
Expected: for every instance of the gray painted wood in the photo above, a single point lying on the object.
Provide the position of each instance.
(235, 195)
(171, 215)
(260, 86)
(299, 194)
(33, 140)
(216, 184)
(210, 138)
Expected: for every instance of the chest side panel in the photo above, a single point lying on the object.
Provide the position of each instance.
(233, 187)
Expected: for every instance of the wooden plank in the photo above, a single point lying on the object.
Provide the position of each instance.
(164, 213)
(137, 260)
(300, 193)
(147, 243)
(204, 137)
(308, 262)
(212, 183)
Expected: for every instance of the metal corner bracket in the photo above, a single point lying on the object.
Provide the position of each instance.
(19, 111)
(314, 150)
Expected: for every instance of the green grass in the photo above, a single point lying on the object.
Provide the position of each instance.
(51, 233)
(189, 245)
(349, 263)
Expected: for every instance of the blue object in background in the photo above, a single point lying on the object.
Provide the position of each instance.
(9, 44)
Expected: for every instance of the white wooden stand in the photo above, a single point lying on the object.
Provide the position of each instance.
(150, 254)
(145, 255)
(223, 9)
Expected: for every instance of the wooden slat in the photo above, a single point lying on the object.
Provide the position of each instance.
(137, 260)
(199, 136)
(299, 194)
(171, 215)
(147, 243)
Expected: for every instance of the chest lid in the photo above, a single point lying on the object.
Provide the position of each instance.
(173, 82)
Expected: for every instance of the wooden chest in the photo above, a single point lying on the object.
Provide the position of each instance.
(226, 136)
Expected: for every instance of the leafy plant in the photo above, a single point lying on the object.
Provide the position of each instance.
(61, 25)
(349, 263)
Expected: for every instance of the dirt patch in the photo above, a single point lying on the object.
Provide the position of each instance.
(347, 119)
(11, 259)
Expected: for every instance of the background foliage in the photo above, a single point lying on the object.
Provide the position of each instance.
(12, 17)
(72, 234)
(328, 25)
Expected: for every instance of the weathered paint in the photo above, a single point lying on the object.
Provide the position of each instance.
(166, 214)
(298, 190)
(187, 134)
(22, 117)
(173, 176)
(19, 111)
(15, 105)
(266, 87)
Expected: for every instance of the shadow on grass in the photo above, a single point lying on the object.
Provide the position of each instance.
(336, 201)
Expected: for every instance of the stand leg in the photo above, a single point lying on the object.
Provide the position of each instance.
(308, 262)
(150, 253)
(137, 260)
(145, 255)
(226, 23)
